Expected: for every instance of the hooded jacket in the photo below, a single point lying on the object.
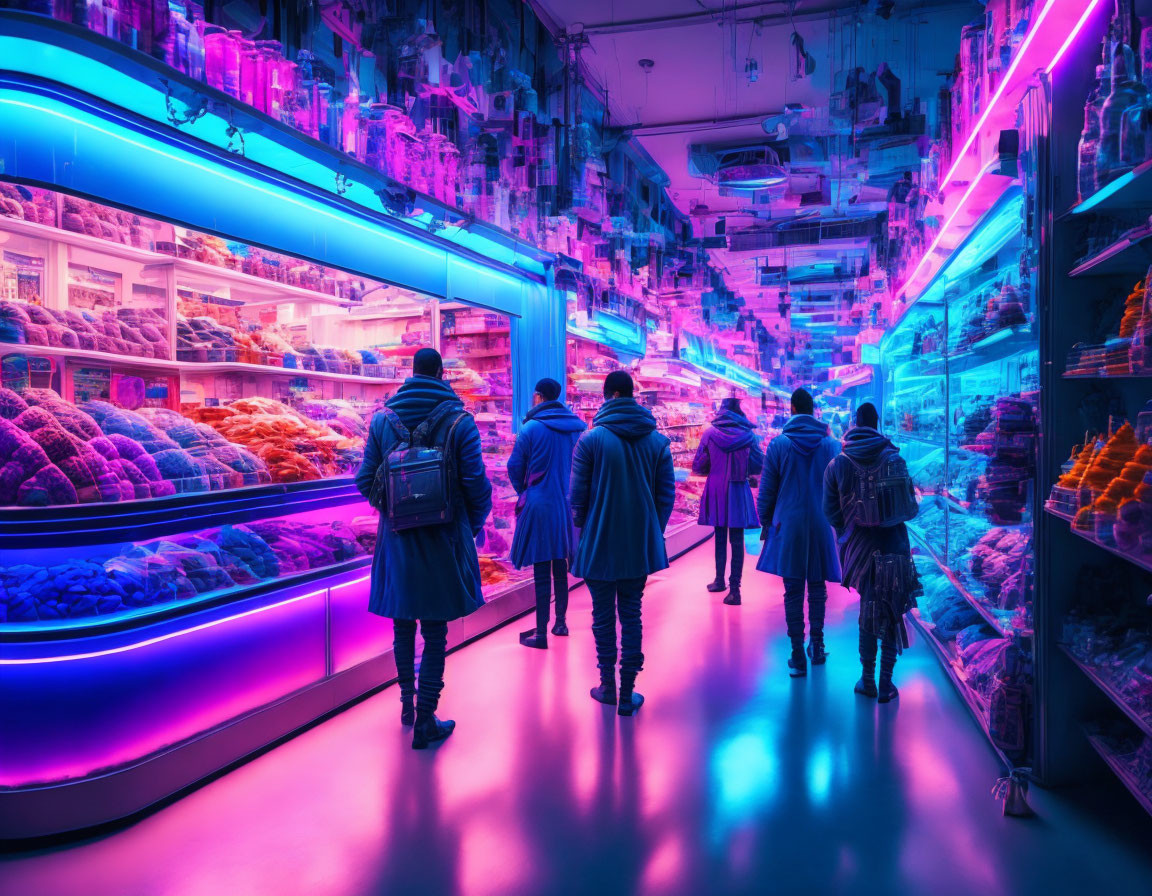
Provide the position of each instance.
(866, 447)
(540, 469)
(623, 489)
(728, 454)
(798, 541)
(431, 572)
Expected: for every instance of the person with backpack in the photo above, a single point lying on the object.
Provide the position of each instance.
(623, 489)
(540, 469)
(868, 497)
(799, 545)
(727, 455)
(424, 472)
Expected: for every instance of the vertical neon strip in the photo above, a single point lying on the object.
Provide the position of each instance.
(1072, 37)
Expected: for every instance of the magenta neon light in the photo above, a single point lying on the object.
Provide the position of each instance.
(150, 641)
(348, 584)
(1000, 90)
(1072, 37)
(943, 230)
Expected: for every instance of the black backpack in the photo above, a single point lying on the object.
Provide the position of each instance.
(882, 495)
(413, 487)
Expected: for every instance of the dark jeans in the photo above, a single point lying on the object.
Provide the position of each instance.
(794, 609)
(431, 663)
(868, 642)
(609, 599)
(736, 537)
(558, 569)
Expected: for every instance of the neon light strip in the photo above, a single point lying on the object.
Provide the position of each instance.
(32, 661)
(972, 135)
(943, 230)
(1072, 37)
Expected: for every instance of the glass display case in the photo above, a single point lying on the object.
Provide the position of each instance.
(148, 361)
(959, 377)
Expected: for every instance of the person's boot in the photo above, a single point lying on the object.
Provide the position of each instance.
(886, 690)
(816, 651)
(561, 627)
(866, 686)
(630, 700)
(533, 638)
(718, 585)
(605, 692)
(407, 710)
(732, 598)
(798, 663)
(429, 730)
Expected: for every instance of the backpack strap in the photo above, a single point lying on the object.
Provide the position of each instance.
(394, 421)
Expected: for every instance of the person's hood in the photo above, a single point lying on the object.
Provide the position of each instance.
(626, 418)
(866, 446)
(732, 431)
(805, 432)
(556, 416)
(420, 396)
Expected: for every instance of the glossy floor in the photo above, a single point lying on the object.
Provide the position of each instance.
(732, 779)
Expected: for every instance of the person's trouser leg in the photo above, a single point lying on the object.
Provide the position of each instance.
(560, 586)
(631, 594)
(736, 537)
(435, 636)
(868, 656)
(817, 602)
(541, 576)
(887, 664)
(604, 628)
(794, 613)
(720, 545)
(404, 652)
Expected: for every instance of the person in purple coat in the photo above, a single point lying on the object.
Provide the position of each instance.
(728, 455)
(540, 469)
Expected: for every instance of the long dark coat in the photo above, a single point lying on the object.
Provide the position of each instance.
(728, 454)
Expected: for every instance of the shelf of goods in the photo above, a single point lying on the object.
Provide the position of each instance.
(1099, 495)
(958, 384)
(186, 555)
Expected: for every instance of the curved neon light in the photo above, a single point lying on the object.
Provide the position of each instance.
(148, 642)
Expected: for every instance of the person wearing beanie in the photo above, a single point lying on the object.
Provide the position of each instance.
(799, 545)
(428, 574)
(623, 489)
(728, 455)
(540, 469)
(875, 552)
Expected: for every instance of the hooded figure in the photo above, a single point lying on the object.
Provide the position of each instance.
(728, 454)
(869, 554)
(429, 573)
(623, 489)
(799, 545)
(540, 469)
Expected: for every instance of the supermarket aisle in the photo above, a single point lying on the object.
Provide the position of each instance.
(732, 779)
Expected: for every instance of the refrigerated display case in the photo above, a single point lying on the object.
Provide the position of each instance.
(958, 379)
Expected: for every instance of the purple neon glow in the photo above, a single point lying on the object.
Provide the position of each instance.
(147, 642)
(1072, 37)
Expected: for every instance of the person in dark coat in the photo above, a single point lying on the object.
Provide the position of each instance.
(429, 573)
(884, 598)
(540, 469)
(799, 545)
(728, 454)
(623, 489)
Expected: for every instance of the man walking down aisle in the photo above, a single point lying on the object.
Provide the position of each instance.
(623, 489)
(799, 545)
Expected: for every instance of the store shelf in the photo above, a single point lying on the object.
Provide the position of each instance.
(1121, 771)
(81, 525)
(1129, 191)
(1106, 376)
(959, 679)
(1126, 255)
(1143, 723)
(979, 606)
(189, 367)
(187, 270)
(1135, 561)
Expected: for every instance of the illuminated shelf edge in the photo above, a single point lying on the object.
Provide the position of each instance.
(1109, 690)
